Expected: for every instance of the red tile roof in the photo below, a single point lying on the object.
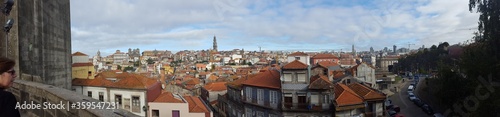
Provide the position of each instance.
(168, 98)
(298, 54)
(327, 64)
(345, 96)
(267, 79)
(123, 80)
(196, 105)
(78, 54)
(325, 56)
(296, 64)
(320, 82)
(237, 83)
(81, 64)
(366, 92)
(215, 86)
(213, 77)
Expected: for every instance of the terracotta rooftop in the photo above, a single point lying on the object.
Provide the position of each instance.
(117, 80)
(327, 64)
(168, 98)
(237, 83)
(78, 54)
(213, 77)
(345, 96)
(366, 92)
(81, 64)
(196, 105)
(215, 86)
(267, 79)
(320, 82)
(298, 54)
(296, 64)
(325, 56)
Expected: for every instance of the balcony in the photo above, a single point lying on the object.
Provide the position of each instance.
(305, 107)
(265, 103)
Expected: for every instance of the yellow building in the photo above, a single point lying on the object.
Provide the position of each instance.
(83, 70)
(168, 69)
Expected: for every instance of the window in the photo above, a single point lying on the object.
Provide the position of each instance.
(118, 99)
(273, 97)
(260, 96)
(287, 77)
(176, 113)
(288, 100)
(89, 93)
(260, 114)
(136, 104)
(101, 96)
(248, 112)
(90, 73)
(156, 113)
(326, 99)
(297, 58)
(301, 77)
(248, 94)
(314, 99)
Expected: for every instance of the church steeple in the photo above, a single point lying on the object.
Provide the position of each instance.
(215, 44)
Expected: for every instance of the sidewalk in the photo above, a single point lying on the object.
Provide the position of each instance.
(391, 91)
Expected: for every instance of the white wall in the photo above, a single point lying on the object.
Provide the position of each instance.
(304, 59)
(128, 94)
(95, 92)
(80, 59)
(165, 109)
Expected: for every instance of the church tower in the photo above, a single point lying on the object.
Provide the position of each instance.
(215, 44)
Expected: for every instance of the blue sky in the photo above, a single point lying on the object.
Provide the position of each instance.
(112, 25)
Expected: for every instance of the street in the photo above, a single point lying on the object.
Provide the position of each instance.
(408, 108)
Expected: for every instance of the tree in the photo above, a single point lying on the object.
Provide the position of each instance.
(150, 61)
(128, 68)
(119, 67)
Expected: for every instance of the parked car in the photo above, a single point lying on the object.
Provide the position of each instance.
(418, 102)
(392, 113)
(411, 96)
(427, 109)
(438, 115)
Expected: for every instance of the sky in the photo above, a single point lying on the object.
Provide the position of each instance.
(289, 25)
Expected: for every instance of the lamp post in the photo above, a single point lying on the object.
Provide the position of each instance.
(6, 8)
(6, 28)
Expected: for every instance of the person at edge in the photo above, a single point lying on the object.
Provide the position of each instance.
(7, 99)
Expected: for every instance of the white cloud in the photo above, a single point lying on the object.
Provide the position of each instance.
(280, 25)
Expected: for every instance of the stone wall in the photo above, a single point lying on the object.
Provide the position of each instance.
(39, 93)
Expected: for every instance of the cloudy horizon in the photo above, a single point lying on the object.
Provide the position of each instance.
(112, 25)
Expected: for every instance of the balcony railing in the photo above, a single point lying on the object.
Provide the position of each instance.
(306, 107)
(265, 103)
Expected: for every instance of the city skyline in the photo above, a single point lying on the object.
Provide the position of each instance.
(272, 25)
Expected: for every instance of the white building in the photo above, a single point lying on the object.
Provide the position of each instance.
(131, 91)
(300, 56)
(175, 105)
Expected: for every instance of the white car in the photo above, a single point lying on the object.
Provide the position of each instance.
(412, 96)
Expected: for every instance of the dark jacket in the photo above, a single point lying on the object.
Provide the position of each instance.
(8, 105)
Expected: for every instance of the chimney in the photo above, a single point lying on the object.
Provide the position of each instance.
(162, 77)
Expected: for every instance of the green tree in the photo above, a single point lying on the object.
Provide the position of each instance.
(150, 61)
(128, 68)
(119, 67)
